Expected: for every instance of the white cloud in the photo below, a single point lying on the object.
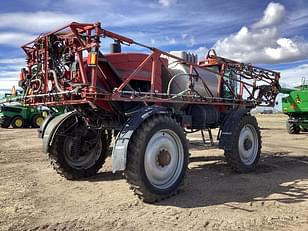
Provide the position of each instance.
(40, 21)
(297, 19)
(167, 3)
(184, 36)
(15, 38)
(292, 49)
(8, 84)
(292, 77)
(201, 52)
(274, 14)
(86, 3)
(19, 27)
(170, 41)
(14, 61)
(6, 75)
(9, 70)
(262, 42)
(191, 41)
(8, 79)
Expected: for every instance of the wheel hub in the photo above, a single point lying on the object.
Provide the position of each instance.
(82, 152)
(18, 123)
(39, 121)
(247, 144)
(163, 158)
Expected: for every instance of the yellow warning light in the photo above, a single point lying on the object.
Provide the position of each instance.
(92, 57)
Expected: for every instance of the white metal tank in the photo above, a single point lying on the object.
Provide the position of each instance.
(180, 81)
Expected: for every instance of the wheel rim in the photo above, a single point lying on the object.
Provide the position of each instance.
(39, 121)
(18, 123)
(163, 160)
(90, 151)
(248, 144)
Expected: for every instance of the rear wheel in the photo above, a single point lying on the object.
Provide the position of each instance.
(293, 128)
(246, 145)
(37, 121)
(18, 122)
(157, 159)
(78, 152)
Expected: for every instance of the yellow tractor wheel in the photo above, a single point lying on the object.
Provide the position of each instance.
(37, 121)
(18, 122)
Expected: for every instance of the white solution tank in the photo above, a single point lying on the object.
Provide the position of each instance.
(180, 80)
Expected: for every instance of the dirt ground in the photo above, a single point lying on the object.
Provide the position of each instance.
(275, 197)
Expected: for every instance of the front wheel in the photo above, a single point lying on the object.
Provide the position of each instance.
(293, 128)
(157, 159)
(78, 152)
(246, 145)
(18, 122)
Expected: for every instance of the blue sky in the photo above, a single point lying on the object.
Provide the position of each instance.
(273, 34)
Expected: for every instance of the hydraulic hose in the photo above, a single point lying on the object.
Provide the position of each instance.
(171, 80)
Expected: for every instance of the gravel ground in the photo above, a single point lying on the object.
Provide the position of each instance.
(275, 197)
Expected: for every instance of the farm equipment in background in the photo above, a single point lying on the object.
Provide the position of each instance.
(295, 105)
(14, 113)
(150, 99)
(20, 116)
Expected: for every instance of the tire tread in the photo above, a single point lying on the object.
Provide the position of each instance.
(232, 156)
(134, 177)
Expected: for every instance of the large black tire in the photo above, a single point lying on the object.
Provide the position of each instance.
(293, 128)
(37, 121)
(18, 122)
(246, 145)
(6, 122)
(90, 158)
(157, 159)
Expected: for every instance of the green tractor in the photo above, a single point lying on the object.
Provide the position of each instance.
(20, 116)
(12, 112)
(295, 105)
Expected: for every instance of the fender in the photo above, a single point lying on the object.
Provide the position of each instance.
(228, 127)
(119, 151)
(49, 129)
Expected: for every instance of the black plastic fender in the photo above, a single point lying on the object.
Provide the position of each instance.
(48, 130)
(119, 151)
(228, 127)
